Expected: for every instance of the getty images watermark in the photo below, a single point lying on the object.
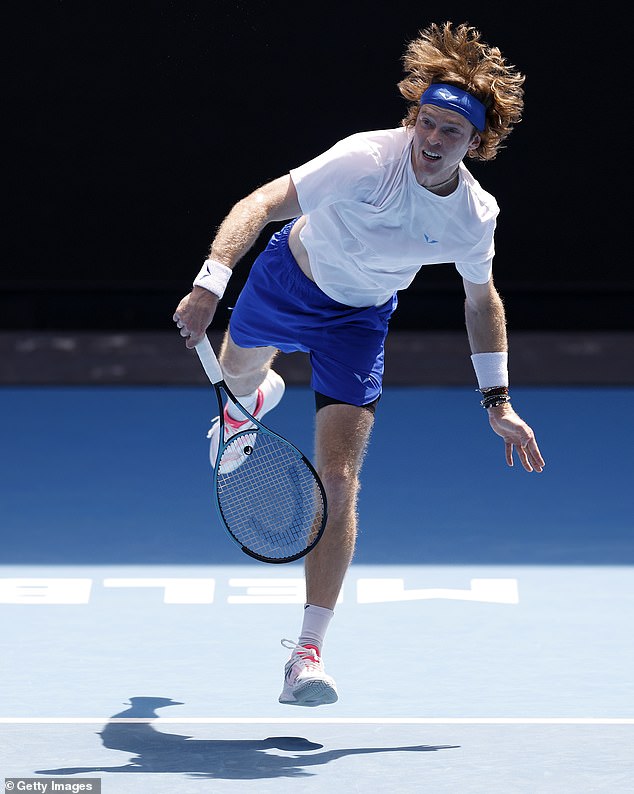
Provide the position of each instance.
(46, 785)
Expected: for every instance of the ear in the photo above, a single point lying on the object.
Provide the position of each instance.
(474, 142)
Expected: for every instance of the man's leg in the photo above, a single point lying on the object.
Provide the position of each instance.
(258, 388)
(342, 435)
(244, 368)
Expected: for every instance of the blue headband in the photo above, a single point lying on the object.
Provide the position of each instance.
(452, 98)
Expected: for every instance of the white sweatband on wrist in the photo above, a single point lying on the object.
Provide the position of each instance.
(214, 277)
(491, 369)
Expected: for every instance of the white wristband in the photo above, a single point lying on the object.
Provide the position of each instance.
(491, 369)
(214, 277)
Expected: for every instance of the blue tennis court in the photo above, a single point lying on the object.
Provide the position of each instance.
(483, 641)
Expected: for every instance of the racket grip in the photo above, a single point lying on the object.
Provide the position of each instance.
(208, 360)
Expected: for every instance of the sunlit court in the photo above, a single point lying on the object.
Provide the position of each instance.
(141, 646)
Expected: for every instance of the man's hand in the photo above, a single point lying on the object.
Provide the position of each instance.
(194, 314)
(516, 433)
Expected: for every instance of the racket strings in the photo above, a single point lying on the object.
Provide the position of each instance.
(271, 501)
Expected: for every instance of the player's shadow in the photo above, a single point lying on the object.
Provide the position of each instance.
(230, 759)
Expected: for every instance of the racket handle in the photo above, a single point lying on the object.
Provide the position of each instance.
(208, 360)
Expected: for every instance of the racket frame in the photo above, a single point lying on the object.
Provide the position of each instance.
(214, 373)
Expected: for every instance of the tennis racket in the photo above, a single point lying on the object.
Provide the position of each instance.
(269, 497)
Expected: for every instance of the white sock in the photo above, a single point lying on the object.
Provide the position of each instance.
(316, 620)
(249, 401)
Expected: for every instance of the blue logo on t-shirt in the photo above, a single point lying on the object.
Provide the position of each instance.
(428, 239)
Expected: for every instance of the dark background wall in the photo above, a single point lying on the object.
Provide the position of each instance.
(133, 128)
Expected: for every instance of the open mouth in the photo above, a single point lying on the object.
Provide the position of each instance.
(431, 156)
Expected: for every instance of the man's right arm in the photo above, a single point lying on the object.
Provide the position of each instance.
(275, 201)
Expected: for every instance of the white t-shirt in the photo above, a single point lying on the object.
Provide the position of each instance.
(370, 226)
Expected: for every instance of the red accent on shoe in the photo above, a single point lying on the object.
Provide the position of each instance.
(315, 657)
(236, 424)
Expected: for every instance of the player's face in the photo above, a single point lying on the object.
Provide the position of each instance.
(442, 138)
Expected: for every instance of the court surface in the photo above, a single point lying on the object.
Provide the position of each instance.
(483, 641)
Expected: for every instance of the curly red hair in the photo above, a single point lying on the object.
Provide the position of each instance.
(458, 56)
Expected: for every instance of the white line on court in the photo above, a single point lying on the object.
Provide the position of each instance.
(320, 720)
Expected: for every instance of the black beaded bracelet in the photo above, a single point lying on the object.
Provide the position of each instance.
(493, 402)
(494, 396)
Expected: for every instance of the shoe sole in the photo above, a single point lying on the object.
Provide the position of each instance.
(231, 464)
(233, 457)
(312, 693)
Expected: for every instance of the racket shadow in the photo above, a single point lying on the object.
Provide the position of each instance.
(231, 759)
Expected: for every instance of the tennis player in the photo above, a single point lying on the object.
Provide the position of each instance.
(365, 216)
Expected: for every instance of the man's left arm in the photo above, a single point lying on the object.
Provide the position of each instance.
(486, 328)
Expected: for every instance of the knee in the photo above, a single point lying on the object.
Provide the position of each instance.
(340, 482)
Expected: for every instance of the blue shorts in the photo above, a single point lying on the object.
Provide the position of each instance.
(281, 307)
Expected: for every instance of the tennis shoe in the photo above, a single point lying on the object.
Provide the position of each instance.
(270, 392)
(305, 680)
